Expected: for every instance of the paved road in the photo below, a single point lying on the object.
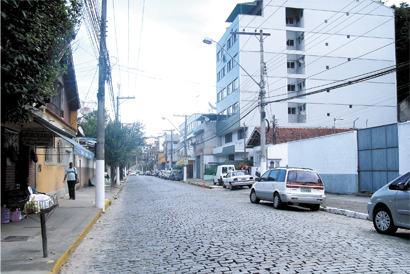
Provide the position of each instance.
(159, 226)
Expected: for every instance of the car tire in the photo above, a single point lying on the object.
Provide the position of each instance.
(230, 186)
(253, 197)
(250, 186)
(277, 203)
(223, 186)
(383, 221)
(314, 207)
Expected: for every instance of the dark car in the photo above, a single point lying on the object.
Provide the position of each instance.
(176, 175)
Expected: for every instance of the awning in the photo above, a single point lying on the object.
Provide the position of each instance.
(78, 149)
(242, 8)
(226, 150)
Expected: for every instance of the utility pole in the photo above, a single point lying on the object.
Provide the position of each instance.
(261, 84)
(100, 185)
(185, 148)
(274, 130)
(172, 137)
(244, 143)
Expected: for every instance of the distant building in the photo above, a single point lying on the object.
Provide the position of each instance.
(313, 45)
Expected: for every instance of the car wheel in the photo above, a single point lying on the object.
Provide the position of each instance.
(250, 186)
(253, 197)
(277, 203)
(230, 186)
(223, 186)
(314, 207)
(383, 221)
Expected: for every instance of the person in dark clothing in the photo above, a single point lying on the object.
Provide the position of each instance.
(71, 176)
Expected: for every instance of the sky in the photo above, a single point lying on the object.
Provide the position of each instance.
(158, 56)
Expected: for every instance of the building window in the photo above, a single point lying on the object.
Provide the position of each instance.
(348, 36)
(325, 21)
(219, 98)
(48, 156)
(228, 138)
(290, 42)
(327, 67)
(291, 110)
(291, 64)
(235, 57)
(291, 87)
(328, 114)
(235, 108)
(231, 157)
(349, 59)
(229, 88)
(229, 111)
(326, 44)
(241, 134)
(223, 92)
(289, 21)
(235, 84)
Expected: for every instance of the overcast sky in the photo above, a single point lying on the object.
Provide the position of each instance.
(175, 72)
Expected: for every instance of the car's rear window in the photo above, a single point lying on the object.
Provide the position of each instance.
(300, 176)
(239, 173)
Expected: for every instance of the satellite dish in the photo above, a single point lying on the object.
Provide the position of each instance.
(211, 105)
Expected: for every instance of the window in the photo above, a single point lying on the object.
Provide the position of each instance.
(273, 174)
(223, 92)
(289, 21)
(327, 67)
(218, 56)
(228, 138)
(291, 110)
(291, 64)
(231, 157)
(229, 88)
(241, 134)
(328, 114)
(48, 156)
(282, 175)
(234, 63)
(219, 98)
(235, 108)
(290, 42)
(349, 59)
(348, 36)
(235, 84)
(325, 21)
(229, 111)
(291, 87)
(326, 44)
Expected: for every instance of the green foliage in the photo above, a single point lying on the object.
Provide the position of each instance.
(89, 123)
(121, 142)
(210, 170)
(35, 36)
(402, 22)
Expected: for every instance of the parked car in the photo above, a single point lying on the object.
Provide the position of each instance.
(238, 178)
(176, 175)
(133, 173)
(167, 173)
(293, 186)
(389, 207)
(221, 172)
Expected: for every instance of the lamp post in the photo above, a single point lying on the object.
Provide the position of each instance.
(261, 86)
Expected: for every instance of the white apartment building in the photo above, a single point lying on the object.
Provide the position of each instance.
(313, 46)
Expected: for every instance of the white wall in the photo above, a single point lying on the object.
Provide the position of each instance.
(404, 147)
(334, 157)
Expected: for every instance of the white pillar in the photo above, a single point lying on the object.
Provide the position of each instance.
(100, 186)
(118, 175)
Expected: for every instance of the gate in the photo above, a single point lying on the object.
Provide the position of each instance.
(378, 157)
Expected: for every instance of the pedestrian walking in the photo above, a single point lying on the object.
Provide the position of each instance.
(71, 176)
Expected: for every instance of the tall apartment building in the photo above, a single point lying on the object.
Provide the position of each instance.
(313, 45)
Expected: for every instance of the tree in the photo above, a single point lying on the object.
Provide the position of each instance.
(35, 36)
(121, 143)
(402, 21)
(89, 123)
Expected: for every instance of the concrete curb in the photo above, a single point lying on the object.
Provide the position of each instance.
(63, 259)
(348, 213)
(203, 185)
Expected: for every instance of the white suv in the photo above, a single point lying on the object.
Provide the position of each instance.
(297, 186)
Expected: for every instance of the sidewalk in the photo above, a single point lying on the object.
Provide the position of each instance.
(21, 242)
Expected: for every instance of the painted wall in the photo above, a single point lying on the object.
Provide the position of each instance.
(333, 157)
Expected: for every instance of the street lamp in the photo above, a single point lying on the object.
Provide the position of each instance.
(334, 123)
(261, 85)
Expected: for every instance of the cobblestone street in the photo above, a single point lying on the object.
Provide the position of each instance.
(160, 226)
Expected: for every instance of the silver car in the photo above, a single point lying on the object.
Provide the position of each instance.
(389, 207)
(238, 178)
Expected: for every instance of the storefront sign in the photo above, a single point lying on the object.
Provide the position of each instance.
(37, 138)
